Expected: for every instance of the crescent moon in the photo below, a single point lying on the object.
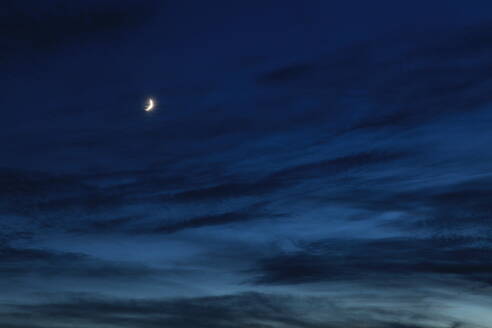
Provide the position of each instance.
(150, 105)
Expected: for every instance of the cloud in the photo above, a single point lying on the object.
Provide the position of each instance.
(32, 27)
(38, 194)
(372, 135)
(378, 260)
(405, 82)
(291, 175)
(53, 200)
(451, 208)
(240, 310)
(28, 263)
(247, 214)
(286, 73)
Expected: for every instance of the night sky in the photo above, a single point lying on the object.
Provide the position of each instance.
(309, 164)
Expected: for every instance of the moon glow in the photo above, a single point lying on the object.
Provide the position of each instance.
(150, 105)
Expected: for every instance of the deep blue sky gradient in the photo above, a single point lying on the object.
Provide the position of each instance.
(309, 164)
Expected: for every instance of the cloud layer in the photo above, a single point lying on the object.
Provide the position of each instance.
(344, 186)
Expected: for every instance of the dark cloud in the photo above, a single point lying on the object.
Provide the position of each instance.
(20, 183)
(36, 194)
(397, 121)
(434, 78)
(25, 263)
(287, 177)
(207, 220)
(457, 43)
(451, 208)
(52, 199)
(409, 81)
(242, 310)
(227, 311)
(337, 165)
(285, 74)
(381, 259)
(106, 226)
(29, 26)
(437, 90)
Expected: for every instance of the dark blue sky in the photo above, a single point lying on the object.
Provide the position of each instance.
(309, 164)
